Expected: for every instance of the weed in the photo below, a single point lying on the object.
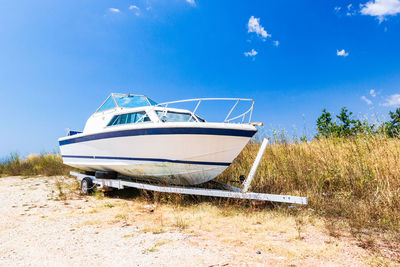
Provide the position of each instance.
(154, 230)
(299, 226)
(331, 226)
(181, 222)
(126, 236)
(162, 242)
(98, 194)
(123, 217)
(109, 205)
(64, 190)
(158, 244)
(90, 222)
(93, 211)
(61, 195)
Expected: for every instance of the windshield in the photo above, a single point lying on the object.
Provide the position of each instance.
(109, 104)
(129, 101)
(171, 116)
(126, 101)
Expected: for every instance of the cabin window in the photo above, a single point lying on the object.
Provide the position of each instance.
(170, 116)
(114, 120)
(135, 117)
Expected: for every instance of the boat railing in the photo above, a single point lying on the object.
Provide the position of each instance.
(227, 119)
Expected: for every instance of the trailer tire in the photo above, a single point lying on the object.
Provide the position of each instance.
(86, 186)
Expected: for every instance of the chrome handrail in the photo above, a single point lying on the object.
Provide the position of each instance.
(227, 119)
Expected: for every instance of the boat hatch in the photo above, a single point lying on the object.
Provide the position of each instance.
(125, 101)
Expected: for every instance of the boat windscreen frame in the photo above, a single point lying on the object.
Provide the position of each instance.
(112, 95)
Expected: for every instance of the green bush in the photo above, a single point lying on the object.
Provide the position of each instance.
(345, 125)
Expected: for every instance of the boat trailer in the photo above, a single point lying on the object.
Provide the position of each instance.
(89, 181)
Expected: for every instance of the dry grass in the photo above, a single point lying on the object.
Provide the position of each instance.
(356, 178)
(65, 189)
(159, 244)
(289, 235)
(46, 164)
(352, 183)
(273, 232)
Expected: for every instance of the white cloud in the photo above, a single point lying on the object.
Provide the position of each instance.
(381, 8)
(342, 53)
(393, 100)
(191, 2)
(255, 26)
(366, 100)
(114, 10)
(337, 8)
(276, 43)
(350, 10)
(133, 7)
(372, 93)
(251, 53)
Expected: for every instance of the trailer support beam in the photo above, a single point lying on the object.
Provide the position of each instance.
(249, 179)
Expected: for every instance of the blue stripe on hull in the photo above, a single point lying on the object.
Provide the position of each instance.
(159, 131)
(151, 159)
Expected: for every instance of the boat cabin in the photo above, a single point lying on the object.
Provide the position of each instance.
(122, 109)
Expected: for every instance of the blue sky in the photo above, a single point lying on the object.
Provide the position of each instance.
(60, 59)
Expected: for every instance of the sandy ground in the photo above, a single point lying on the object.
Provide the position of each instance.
(38, 230)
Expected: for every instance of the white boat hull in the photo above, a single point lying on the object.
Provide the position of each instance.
(171, 154)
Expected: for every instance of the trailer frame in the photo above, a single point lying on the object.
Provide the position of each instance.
(230, 191)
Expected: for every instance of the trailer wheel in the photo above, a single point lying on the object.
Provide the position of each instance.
(87, 186)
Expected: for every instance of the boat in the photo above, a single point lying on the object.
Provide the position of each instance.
(134, 136)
